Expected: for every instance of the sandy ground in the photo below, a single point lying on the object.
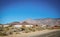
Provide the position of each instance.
(31, 33)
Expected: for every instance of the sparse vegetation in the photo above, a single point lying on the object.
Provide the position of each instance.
(10, 29)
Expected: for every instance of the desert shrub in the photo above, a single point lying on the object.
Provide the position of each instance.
(17, 33)
(33, 29)
(6, 31)
(3, 33)
(23, 28)
(27, 30)
(49, 28)
(38, 28)
(10, 32)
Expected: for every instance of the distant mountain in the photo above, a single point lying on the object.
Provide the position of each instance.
(14, 23)
(45, 21)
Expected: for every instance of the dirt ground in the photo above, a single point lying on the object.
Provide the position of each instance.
(30, 33)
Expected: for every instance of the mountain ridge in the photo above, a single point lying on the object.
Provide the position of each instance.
(44, 21)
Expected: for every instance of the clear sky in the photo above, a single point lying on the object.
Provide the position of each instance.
(18, 10)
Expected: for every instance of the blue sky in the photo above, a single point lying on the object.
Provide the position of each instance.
(18, 10)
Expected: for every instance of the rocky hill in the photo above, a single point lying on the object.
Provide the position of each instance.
(45, 21)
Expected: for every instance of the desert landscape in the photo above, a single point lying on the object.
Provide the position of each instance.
(31, 28)
(29, 18)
